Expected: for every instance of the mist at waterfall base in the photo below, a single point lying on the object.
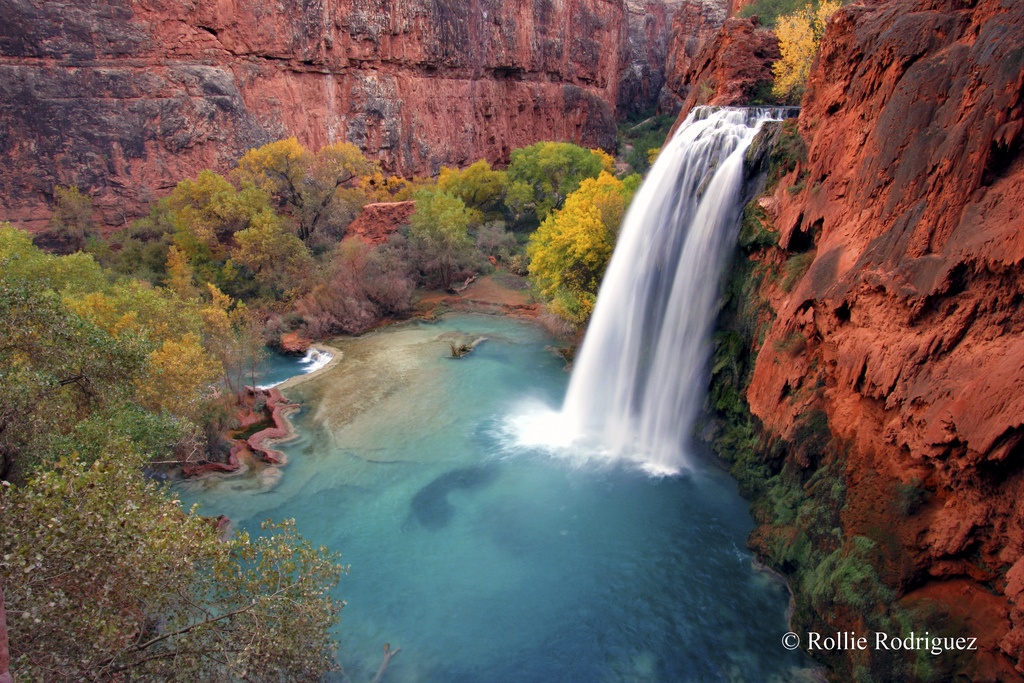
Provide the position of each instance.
(491, 558)
(638, 380)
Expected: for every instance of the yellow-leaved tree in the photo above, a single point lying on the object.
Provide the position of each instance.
(799, 35)
(571, 248)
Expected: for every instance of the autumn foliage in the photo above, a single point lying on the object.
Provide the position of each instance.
(572, 247)
(799, 35)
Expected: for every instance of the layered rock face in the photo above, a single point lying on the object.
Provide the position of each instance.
(650, 27)
(733, 66)
(694, 25)
(906, 328)
(126, 98)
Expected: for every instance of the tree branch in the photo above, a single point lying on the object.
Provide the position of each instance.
(191, 627)
(388, 654)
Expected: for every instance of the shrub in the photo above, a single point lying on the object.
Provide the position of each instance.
(799, 35)
(795, 268)
(847, 577)
(754, 232)
(910, 496)
(72, 217)
(571, 249)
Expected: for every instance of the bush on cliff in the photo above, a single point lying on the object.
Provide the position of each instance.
(799, 35)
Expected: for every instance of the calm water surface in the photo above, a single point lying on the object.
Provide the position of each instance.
(489, 562)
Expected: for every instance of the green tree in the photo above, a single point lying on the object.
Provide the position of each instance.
(107, 578)
(439, 229)
(79, 357)
(209, 211)
(570, 250)
(22, 261)
(799, 36)
(478, 185)
(233, 333)
(541, 176)
(279, 259)
(72, 217)
(139, 250)
(56, 369)
(311, 187)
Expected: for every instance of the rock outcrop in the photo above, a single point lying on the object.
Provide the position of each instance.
(293, 343)
(902, 236)
(732, 66)
(260, 405)
(379, 221)
(124, 99)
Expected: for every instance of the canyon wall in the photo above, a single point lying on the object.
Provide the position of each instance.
(124, 98)
(650, 27)
(893, 331)
(694, 25)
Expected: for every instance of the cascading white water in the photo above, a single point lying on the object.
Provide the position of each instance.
(639, 377)
(311, 362)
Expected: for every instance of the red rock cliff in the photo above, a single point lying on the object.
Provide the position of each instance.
(694, 25)
(126, 98)
(907, 328)
(650, 27)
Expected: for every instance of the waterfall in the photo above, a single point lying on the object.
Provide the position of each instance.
(638, 380)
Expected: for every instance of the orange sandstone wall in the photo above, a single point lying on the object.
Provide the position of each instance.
(911, 201)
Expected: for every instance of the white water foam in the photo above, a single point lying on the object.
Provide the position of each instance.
(311, 362)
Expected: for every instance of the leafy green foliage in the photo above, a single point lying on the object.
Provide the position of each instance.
(72, 217)
(769, 11)
(645, 140)
(56, 368)
(541, 176)
(794, 269)
(788, 152)
(847, 577)
(755, 232)
(439, 230)
(279, 259)
(106, 578)
(311, 187)
(478, 186)
(80, 357)
(22, 261)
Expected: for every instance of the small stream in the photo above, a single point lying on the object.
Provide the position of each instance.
(489, 561)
